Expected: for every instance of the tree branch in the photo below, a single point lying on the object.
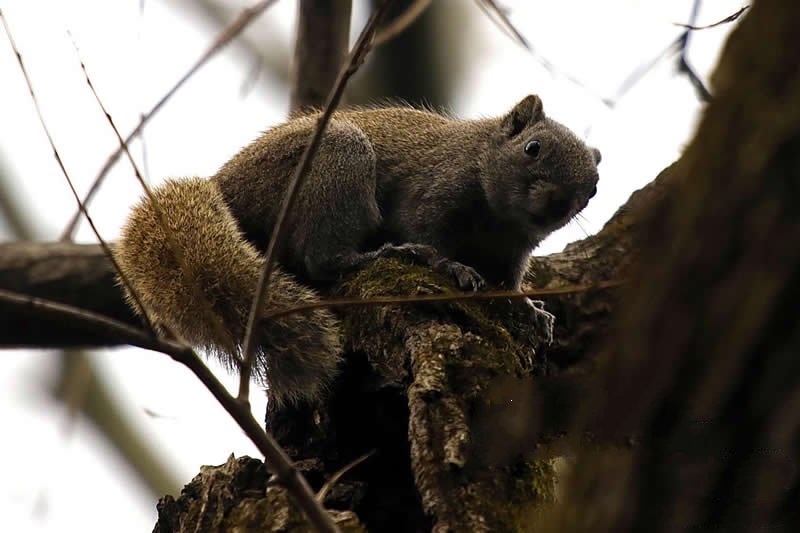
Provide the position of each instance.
(321, 46)
(81, 206)
(246, 17)
(360, 49)
(274, 457)
(79, 275)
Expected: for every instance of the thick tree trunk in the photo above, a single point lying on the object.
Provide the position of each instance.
(705, 360)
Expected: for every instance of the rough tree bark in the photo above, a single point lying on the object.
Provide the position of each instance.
(417, 383)
(706, 360)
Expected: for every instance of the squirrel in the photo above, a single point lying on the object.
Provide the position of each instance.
(471, 198)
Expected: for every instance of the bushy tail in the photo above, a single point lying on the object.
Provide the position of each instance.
(197, 277)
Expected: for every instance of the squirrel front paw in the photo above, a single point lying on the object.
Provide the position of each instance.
(422, 254)
(466, 276)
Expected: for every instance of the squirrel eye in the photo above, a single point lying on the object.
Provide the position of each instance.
(532, 148)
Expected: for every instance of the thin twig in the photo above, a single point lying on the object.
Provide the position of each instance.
(730, 18)
(266, 49)
(700, 88)
(81, 207)
(274, 457)
(199, 298)
(442, 298)
(680, 45)
(356, 58)
(401, 22)
(247, 16)
(683, 59)
(323, 492)
(94, 322)
(498, 16)
(639, 72)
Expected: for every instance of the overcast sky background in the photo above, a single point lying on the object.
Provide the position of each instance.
(53, 482)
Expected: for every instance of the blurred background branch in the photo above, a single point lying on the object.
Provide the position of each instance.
(78, 386)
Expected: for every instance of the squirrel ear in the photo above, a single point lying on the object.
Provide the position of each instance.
(525, 112)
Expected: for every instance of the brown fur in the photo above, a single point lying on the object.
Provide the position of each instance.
(299, 352)
(466, 188)
(462, 196)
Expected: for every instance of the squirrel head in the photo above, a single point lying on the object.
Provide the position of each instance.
(538, 173)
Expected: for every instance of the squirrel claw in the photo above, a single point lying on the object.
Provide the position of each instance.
(467, 277)
(419, 254)
(541, 319)
(422, 254)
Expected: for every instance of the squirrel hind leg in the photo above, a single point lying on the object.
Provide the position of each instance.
(337, 209)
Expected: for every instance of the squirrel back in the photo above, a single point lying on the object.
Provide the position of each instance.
(203, 292)
(470, 198)
(481, 192)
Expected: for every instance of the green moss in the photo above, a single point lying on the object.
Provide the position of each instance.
(514, 496)
(386, 277)
(532, 485)
(485, 351)
(537, 478)
(494, 350)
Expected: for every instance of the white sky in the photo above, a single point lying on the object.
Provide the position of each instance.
(133, 59)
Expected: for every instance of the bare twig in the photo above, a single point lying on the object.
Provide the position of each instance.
(679, 45)
(498, 16)
(442, 298)
(264, 48)
(356, 58)
(199, 297)
(700, 88)
(730, 18)
(142, 137)
(401, 22)
(247, 16)
(323, 492)
(124, 333)
(274, 457)
(640, 71)
(81, 207)
(683, 60)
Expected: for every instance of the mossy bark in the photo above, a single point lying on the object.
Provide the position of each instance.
(413, 379)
